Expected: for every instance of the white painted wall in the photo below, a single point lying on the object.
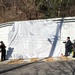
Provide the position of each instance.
(68, 29)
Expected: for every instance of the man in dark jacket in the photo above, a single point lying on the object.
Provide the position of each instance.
(3, 51)
(68, 47)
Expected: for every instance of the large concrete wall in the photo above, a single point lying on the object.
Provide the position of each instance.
(67, 28)
(66, 25)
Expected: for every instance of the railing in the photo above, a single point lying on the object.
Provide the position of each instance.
(58, 20)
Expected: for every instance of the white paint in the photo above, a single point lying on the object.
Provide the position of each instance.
(68, 29)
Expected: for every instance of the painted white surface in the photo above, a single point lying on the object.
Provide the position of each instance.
(29, 39)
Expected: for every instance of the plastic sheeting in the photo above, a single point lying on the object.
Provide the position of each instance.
(34, 39)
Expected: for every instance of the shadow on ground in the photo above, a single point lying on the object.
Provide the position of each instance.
(39, 68)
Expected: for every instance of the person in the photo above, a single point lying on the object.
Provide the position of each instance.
(68, 46)
(3, 51)
(74, 49)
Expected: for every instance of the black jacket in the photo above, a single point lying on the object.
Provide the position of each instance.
(68, 44)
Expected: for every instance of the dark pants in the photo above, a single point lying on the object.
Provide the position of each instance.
(74, 55)
(67, 51)
(3, 55)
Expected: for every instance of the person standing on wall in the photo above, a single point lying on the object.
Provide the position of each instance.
(3, 51)
(68, 46)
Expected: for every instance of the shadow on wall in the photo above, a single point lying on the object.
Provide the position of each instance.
(9, 52)
(58, 31)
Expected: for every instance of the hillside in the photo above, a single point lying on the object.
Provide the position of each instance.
(15, 10)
